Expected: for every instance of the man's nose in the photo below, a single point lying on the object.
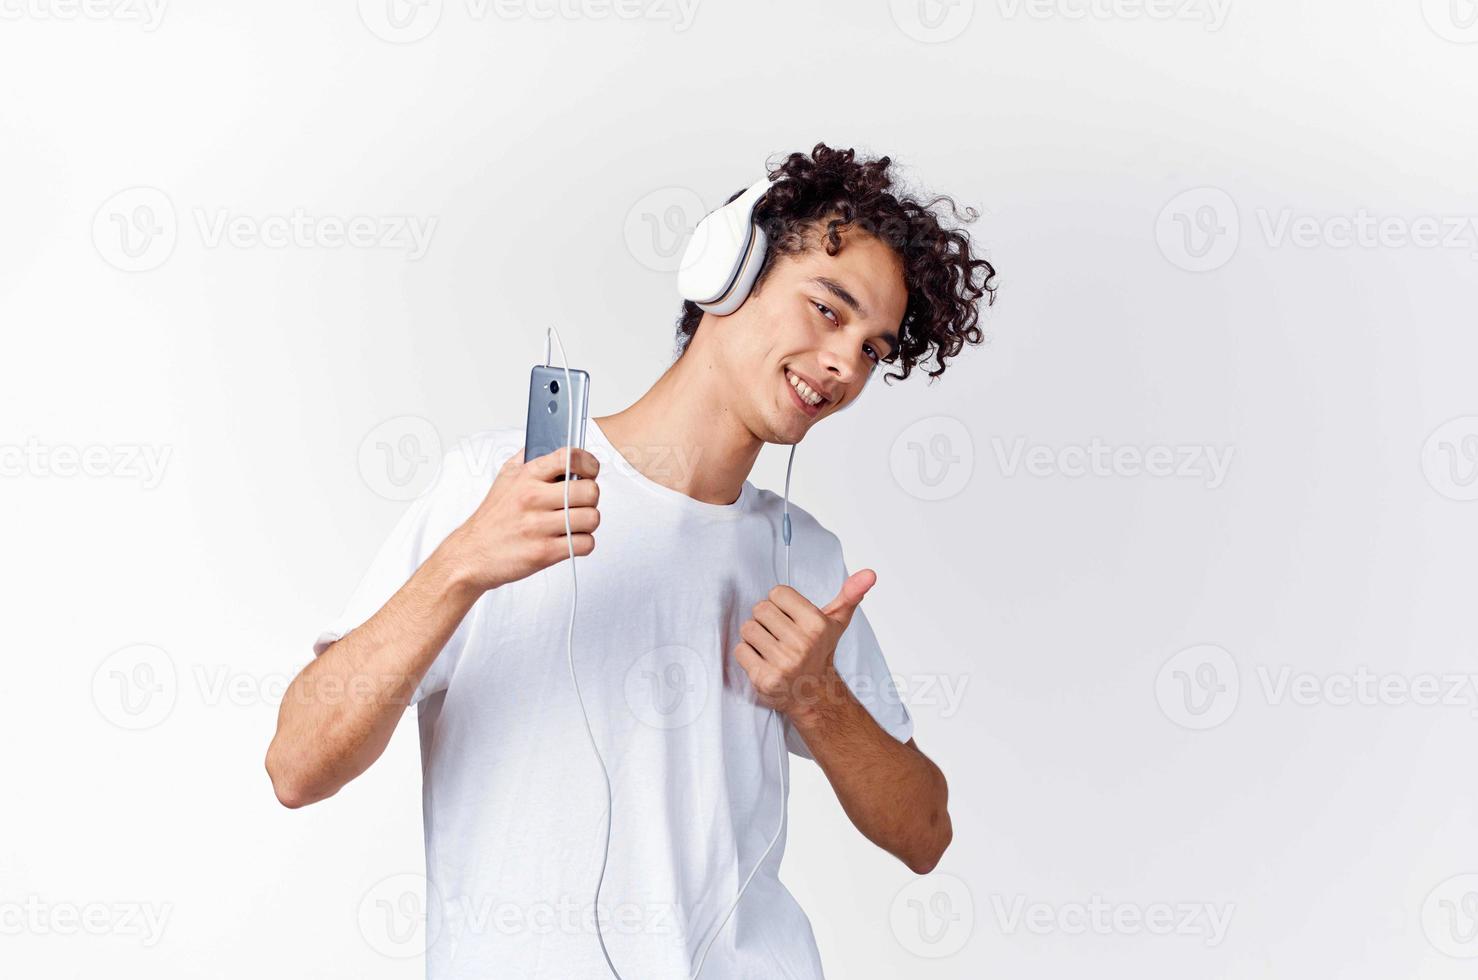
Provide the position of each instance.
(844, 366)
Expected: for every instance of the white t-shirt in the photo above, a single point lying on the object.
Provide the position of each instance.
(513, 802)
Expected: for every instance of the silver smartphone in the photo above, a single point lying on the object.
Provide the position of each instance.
(552, 402)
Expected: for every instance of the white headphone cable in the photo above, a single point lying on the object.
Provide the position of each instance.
(779, 742)
(570, 645)
(585, 715)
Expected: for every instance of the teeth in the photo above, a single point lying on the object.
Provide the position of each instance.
(806, 391)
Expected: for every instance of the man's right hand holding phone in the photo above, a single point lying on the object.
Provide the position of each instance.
(519, 528)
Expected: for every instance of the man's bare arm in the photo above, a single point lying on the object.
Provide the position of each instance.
(889, 789)
(339, 712)
(337, 715)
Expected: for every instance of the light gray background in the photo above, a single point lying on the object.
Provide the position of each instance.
(1142, 180)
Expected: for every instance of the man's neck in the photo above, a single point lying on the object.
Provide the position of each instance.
(679, 434)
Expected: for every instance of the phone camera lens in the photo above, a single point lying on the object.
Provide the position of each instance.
(554, 387)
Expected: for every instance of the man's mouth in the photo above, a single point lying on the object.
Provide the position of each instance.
(810, 399)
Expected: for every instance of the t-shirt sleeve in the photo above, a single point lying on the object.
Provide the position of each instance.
(860, 662)
(425, 523)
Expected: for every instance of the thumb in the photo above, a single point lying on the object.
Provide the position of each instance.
(840, 609)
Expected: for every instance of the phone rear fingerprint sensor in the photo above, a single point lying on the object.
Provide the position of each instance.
(553, 406)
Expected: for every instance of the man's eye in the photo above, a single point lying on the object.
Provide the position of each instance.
(826, 311)
(872, 353)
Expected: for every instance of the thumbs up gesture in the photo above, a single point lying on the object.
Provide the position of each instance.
(788, 644)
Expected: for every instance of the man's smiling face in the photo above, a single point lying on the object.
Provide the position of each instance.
(803, 346)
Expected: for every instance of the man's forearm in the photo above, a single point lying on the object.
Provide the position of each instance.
(338, 714)
(890, 790)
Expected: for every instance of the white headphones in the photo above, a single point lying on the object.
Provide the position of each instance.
(724, 256)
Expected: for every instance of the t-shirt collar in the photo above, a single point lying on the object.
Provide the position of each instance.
(611, 460)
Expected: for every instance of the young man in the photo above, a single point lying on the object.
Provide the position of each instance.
(683, 644)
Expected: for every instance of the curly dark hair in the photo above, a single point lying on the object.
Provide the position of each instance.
(945, 282)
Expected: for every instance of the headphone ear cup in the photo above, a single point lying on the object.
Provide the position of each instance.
(724, 255)
(708, 261)
(749, 270)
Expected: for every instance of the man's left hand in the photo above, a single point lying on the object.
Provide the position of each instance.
(788, 644)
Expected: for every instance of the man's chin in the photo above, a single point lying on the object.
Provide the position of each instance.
(789, 431)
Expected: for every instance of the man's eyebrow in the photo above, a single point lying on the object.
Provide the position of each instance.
(841, 293)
